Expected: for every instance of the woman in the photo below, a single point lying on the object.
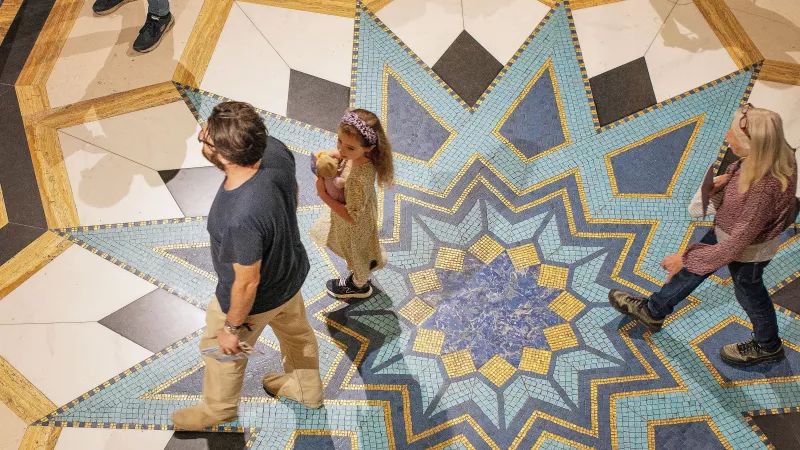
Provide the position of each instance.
(755, 197)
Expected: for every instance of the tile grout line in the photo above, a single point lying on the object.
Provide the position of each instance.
(262, 35)
(758, 15)
(112, 152)
(675, 5)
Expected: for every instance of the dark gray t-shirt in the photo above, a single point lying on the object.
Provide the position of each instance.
(258, 221)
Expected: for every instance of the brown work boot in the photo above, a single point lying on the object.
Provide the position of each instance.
(635, 308)
(197, 418)
(274, 382)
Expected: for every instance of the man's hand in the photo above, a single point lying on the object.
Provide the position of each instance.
(228, 343)
(672, 264)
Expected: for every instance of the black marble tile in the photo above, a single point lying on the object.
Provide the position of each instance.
(467, 67)
(622, 91)
(156, 320)
(17, 177)
(14, 237)
(789, 296)
(781, 429)
(193, 189)
(184, 440)
(21, 36)
(316, 101)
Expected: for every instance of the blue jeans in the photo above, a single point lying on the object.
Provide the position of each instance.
(158, 7)
(748, 285)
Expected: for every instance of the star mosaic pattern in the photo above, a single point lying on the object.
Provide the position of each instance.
(510, 221)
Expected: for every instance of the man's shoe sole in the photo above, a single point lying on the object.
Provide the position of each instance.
(624, 311)
(767, 359)
(166, 30)
(111, 10)
(348, 296)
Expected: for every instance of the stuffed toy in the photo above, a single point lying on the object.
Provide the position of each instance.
(333, 171)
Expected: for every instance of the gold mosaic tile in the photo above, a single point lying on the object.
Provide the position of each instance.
(429, 341)
(566, 306)
(498, 370)
(450, 259)
(486, 249)
(535, 360)
(560, 337)
(425, 281)
(553, 277)
(524, 256)
(417, 311)
(458, 363)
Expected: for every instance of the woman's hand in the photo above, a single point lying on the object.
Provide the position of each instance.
(719, 183)
(672, 264)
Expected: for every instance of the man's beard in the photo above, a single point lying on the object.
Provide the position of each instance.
(213, 158)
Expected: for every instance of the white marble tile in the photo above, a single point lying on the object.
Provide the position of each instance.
(105, 439)
(161, 138)
(66, 360)
(109, 188)
(13, 429)
(686, 54)
(614, 34)
(317, 44)
(77, 286)
(428, 27)
(784, 11)
(776, 36)
(502, 26)
(98, 60)
(245, 67)
(783, 99)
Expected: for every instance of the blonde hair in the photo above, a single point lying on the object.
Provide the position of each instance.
(381, 155)
(770, 154)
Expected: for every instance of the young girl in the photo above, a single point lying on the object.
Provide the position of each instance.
(759, 193)
(352, 230)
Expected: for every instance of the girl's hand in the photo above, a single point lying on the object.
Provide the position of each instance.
(719, 183)
(321, 188)
(672, 264)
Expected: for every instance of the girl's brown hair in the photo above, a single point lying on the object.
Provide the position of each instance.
(381, 155)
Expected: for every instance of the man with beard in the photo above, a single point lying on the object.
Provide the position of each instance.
(261, 265)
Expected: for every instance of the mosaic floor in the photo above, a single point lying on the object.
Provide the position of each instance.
(544, 153)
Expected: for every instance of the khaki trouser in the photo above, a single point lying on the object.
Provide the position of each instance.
(222, 384)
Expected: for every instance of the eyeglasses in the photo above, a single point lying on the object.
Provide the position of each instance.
(201, 138)
(743, 121)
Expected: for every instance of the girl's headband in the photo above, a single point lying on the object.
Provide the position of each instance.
(351, 118)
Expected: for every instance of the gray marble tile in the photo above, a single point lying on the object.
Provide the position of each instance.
(467, 67)
(156, 320)
(622, 91)
(316, 101)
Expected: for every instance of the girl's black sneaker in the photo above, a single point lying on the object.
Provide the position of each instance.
(344, 288)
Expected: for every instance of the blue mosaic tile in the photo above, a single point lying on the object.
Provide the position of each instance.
(382, 392)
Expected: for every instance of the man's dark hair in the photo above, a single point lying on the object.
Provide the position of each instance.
(238, 133)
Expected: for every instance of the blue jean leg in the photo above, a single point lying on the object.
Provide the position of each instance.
(753, 296)
(662, 303)
(158, 7)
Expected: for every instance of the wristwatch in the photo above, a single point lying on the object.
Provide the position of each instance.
(232, 329)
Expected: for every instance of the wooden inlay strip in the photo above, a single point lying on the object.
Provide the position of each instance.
(7, 14)
(21, 396)
(202, 42)
(343, 8)
(780, 72)
(40, 438)
(730, 32)
(27, 262)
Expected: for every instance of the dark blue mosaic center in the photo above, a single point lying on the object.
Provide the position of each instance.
(492, 309)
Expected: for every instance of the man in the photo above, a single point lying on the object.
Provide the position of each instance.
(159, 21)
(261, 264)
